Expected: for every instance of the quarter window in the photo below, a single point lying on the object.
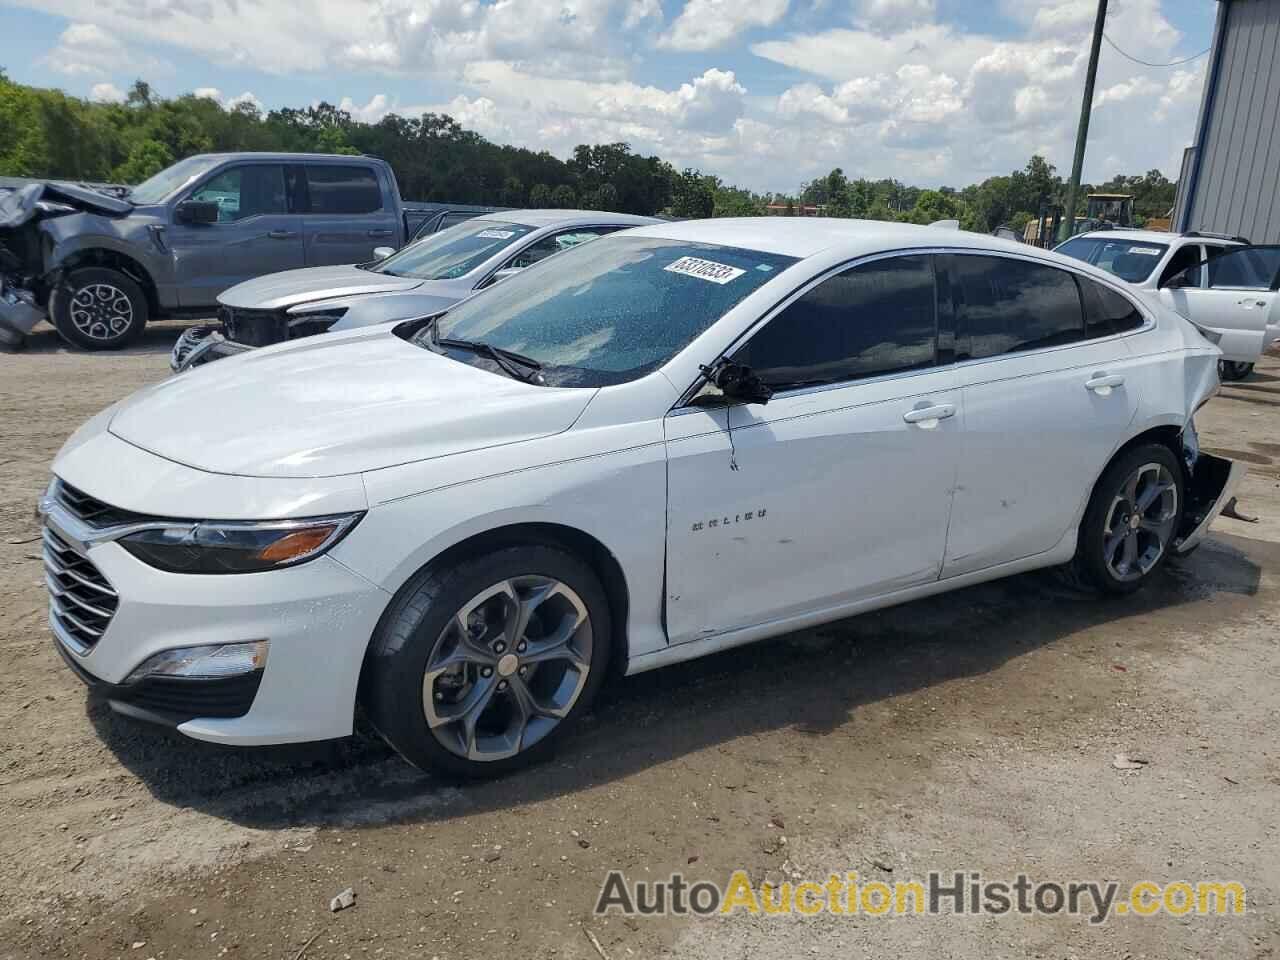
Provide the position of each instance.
(877, 318)
(1106, 311)
(1006, 305)
(1185, 261)
(246, 191)
(343, 190)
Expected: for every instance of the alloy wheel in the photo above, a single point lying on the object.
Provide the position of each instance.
(101, 311)
(507, 668)
(1140, 522)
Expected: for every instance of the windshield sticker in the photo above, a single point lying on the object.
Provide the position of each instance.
(495, 234)
(1146, 251)
(720, 273)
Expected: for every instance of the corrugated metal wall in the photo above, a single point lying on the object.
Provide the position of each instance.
(1237, 189)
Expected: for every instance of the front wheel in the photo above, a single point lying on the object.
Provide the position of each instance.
(478, 667)
(1233, 370)
(98, 309)
(1129, 526)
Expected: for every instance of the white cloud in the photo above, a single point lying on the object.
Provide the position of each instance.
(87, 49)
(707, 24)
(884, 15)
(106, 93)
(379, 106)
(208, 93)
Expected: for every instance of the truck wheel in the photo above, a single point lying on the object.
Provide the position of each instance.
(1233, 370)
(98, 309)
(479, 666)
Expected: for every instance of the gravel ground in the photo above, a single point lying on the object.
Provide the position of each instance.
(973, 731)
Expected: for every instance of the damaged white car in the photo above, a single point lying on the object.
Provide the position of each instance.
(657, 445)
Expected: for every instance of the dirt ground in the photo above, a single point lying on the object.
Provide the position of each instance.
(973, 731)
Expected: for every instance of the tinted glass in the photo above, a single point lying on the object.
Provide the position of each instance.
(555, 244)
(611, 310)
(874, 319)
(1249, 268)
(449, 219)
(1130, 260)
(1008, 305)
(247, 191)
(1107, 312)
(1185, 261)
(453, 252)
(338, 190)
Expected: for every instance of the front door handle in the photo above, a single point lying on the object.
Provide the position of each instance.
(281, 234)
(927, 417)
(380, 233)
(1250, 304)
(1103, 383)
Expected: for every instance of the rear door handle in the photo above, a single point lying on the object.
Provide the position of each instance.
(927, 417)
(281, 234)
(1102, 383)
(380, 233)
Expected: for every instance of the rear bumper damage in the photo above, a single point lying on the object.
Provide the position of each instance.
(1212, 485)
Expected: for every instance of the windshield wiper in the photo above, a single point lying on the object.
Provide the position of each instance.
(509, 361)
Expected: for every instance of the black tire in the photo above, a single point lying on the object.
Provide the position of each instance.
(1229, 370)
(1090, 566)
(413, 627)
(98, 308)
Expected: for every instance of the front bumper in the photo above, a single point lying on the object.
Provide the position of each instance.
(19, 312)
(200, 345)
(317, 616)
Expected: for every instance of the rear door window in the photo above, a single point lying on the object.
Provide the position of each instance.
(1007, 306)
(874, 319)
(1245, 268)
(341, 190)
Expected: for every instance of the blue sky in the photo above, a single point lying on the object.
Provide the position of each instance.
(765, 93)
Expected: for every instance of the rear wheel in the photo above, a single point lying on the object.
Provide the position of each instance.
(1233, 370)
(478, 667)
(1129, 526)
(98, 308)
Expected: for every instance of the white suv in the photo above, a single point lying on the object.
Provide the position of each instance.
(1222, 284)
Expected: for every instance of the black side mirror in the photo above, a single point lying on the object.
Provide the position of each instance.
(737, 382)
(197, 211)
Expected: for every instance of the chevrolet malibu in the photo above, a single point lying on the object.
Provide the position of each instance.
(657, 445)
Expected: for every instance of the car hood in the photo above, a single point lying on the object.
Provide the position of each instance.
(337, 404)
(24, 204)
(279, 291)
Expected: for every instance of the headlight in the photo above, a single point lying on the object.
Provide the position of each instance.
(214, 546)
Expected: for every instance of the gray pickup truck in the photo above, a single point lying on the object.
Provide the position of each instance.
(99, 265)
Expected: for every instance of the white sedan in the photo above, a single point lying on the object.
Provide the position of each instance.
(661, 444)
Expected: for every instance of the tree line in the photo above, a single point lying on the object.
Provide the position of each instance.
(48, 134)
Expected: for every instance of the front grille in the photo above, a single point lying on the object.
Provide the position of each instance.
(256, 328)
(81, 600)
(92, 510)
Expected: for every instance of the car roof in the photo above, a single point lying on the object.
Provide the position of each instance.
(566, 218)
(805, 236)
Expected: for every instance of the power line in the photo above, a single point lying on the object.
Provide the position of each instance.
(1148, 63)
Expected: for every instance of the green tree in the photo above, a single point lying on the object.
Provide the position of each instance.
(147, 158)
(540, 196)
(692, 196)
(563, 197)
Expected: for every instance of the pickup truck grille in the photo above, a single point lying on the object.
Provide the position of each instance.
(256, 328)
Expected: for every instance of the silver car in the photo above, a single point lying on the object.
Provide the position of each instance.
(425, 277)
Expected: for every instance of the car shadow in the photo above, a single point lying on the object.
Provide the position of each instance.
(155, 338)
(811, 680)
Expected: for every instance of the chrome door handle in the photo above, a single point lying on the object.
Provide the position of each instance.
(1102, 383)
(927, 417)
(281, 234)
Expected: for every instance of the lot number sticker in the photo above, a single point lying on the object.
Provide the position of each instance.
(705, 269)
(1146, 251)
(495, 234)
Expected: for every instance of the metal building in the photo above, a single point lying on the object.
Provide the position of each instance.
(1230, 179)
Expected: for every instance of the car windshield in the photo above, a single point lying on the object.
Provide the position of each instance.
(453, 252)
(172, 179)
(1131, 260)
(611, 310)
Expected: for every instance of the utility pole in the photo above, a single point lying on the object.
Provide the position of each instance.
(1082, 132)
